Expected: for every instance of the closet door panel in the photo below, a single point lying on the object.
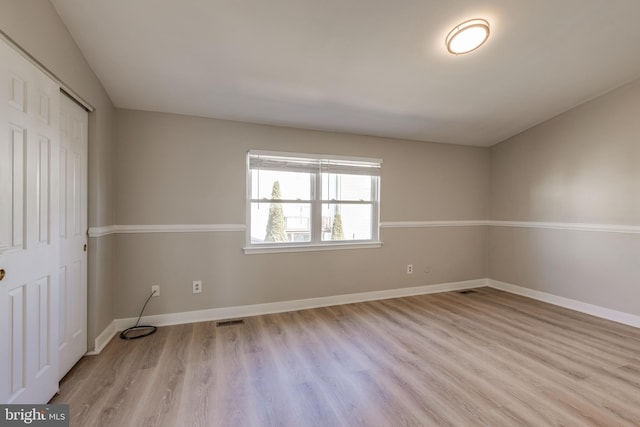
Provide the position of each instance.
(29, 236)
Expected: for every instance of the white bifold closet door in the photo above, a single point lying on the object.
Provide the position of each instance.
(72, 275)
(29, 230)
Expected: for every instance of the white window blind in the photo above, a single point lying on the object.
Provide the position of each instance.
(328, 164)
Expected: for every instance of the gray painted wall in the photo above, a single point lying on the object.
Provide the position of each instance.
(185, 170)
(580, 167)
(36, 27)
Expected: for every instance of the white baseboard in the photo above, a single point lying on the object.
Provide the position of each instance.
(583, 307)
(284, 306)
(280, 307)
(103, 339)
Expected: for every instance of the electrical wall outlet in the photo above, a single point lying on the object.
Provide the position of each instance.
(409, 268)
(197, 286)
(156, 290)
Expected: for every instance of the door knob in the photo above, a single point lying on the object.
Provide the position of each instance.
(84, 248)
(2, 273)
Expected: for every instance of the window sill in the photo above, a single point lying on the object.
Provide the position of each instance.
(251, 250)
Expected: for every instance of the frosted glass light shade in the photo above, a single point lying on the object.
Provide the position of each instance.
(467, 36)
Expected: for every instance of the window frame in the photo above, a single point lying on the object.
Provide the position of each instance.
(319, 165)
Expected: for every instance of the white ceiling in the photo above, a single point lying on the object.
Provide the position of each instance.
(372, 67)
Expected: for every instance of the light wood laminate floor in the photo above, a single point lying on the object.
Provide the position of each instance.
(486, 358)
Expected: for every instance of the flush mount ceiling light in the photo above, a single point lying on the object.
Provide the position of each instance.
(467, 36)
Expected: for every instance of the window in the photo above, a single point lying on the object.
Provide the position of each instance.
(296, 201)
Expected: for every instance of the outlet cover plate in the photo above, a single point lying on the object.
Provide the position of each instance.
(197, 286)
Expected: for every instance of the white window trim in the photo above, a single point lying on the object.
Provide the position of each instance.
(316, 244)
(267, 249)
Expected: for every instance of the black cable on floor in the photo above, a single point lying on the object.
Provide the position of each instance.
(145, 330)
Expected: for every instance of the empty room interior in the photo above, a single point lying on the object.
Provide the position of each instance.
(312, 213)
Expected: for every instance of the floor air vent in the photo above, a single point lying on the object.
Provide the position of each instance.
(230, 323)
(467, 291)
